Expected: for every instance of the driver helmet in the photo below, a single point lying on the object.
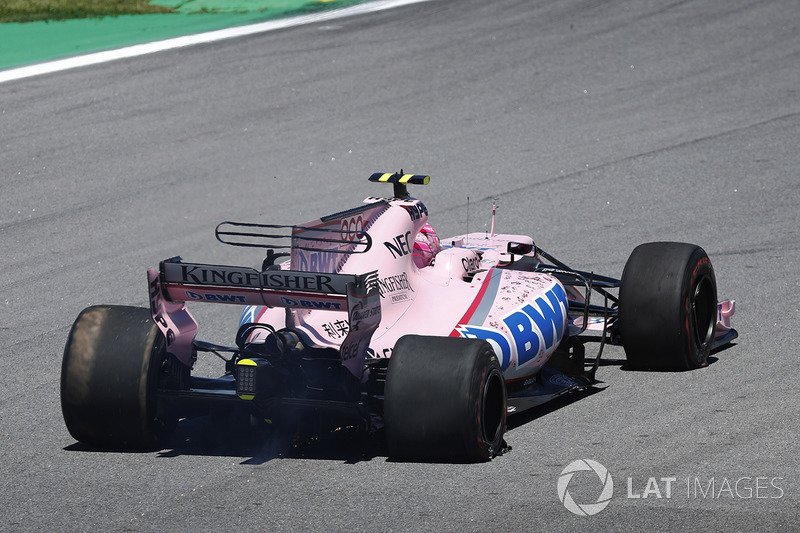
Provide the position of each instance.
(426, 246)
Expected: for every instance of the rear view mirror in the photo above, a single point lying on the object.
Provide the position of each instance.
(520, 248)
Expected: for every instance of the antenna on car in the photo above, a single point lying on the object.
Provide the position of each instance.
(466, 239)
(494, 212)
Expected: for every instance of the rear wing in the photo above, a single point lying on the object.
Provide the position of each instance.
(174, 283)
(186, 282)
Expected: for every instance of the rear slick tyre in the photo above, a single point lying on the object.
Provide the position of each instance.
(667, 307)
(109, 375)
(445, 400)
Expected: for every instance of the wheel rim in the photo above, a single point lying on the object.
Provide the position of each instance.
(703, 305)
(493, 407)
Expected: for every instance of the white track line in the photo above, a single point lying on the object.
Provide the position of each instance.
(191, 40)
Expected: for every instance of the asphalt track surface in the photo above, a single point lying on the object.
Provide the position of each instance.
(596, 127)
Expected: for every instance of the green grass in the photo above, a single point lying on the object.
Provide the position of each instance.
(37, 10)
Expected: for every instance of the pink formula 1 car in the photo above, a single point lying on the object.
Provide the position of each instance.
(367, 315)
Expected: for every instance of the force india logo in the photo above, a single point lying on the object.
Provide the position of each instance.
(535, 329)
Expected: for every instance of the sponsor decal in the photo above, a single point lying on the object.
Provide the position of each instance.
(310, 304)
(297, 281)
(537, 329)
(401, 246)
(364, 315)
(352, 228)
(471, 264)
(358, 315)
(534, 329)
(202, 275)
(500, 343)
(317, 261)
(226, 298)
(348, 351)
(391, 284)
(337, 329)
(416, 211)
(247, 277)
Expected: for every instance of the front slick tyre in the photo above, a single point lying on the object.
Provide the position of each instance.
(667, 307)
(445, 400)
(109, 376)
